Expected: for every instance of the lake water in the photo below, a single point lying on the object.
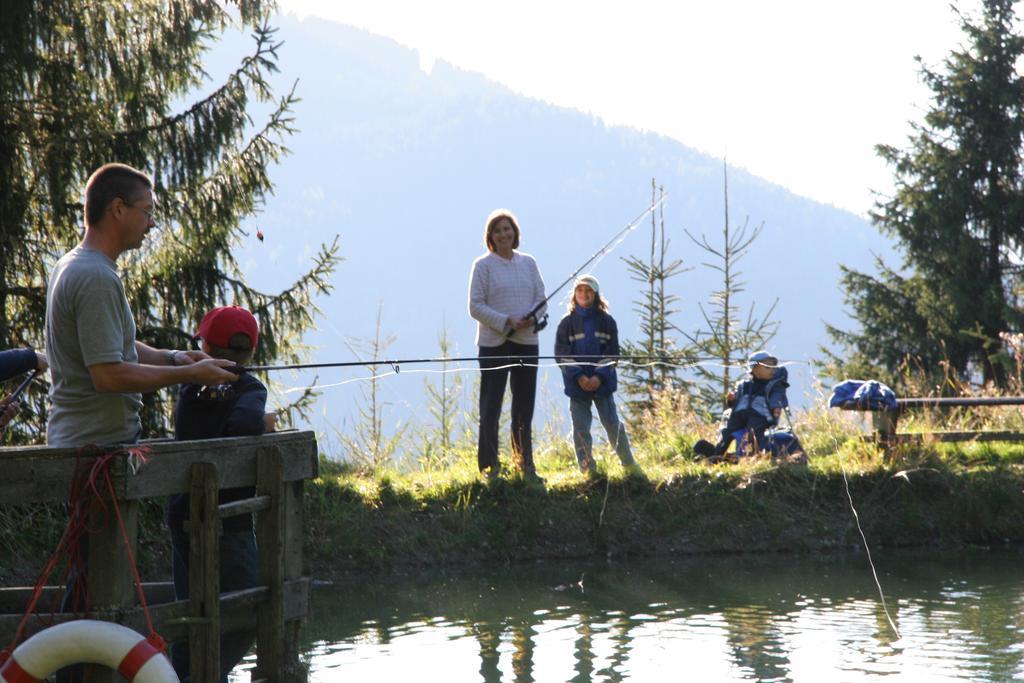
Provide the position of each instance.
(724, 618)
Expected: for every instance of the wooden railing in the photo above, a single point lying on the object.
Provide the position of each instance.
(275, 464)
(886, 421)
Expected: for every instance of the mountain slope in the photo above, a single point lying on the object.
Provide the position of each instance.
(405, 165)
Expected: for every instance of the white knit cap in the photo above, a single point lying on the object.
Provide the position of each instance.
(589, 281)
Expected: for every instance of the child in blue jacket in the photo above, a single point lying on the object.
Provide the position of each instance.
(756, 404)
(585, 337)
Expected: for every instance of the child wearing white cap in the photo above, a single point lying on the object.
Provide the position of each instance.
(587, 344)
(756, 404)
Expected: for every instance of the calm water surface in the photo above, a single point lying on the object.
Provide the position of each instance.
(736, 618)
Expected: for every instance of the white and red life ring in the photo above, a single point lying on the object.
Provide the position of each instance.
(87, 641)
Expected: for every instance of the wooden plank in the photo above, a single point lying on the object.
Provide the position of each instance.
(959, 437)
(940, 402)
(108, 573)
(15, 599)
(43, 474)
(243, 507)
(294, 527)
(885, 422)
(293, 536)
(235, 459)
(39, 474)
(947, 437)
(270, 528)
(958, 401)
(170, 618)
(204, 574)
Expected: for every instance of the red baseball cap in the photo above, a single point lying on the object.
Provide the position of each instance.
(219, 325)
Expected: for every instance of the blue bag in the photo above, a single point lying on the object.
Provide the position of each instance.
(781, 442)
(858, 394)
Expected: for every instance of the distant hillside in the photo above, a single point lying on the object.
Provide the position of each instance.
(405, 165)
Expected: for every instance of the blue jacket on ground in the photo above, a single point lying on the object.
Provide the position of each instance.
(774, 395)
(587, 335)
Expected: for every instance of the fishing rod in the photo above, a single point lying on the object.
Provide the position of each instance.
(521, 359)
(21, 388)
(540, 323)
(397, 363)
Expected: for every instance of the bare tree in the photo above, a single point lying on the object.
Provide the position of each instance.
(724, 337)
(370, 447)
(443, 406)
(655, 309)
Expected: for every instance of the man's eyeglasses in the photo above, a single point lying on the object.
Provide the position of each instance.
(149, 213)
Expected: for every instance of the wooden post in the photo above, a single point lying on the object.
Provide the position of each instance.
(270, 528)
(108, 571)
(293, 535)
(204, 573)
(885, 425)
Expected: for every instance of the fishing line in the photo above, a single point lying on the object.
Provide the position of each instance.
(541, 323)
(539, 366)
(633, 360)
(617, 361)
(871, 563)
(623, 360)
(864, 540)
(391, 373)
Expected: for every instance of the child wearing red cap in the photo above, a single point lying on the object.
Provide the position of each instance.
(236, 408)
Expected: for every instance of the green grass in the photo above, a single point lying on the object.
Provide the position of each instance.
(389, 520)
(930, 494)
(440, 510)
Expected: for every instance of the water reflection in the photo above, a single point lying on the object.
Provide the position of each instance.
(785, 618)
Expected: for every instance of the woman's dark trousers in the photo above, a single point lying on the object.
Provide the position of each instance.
(523, 381)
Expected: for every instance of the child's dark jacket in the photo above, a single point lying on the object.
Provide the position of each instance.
(235, 409)
(16, 361)
(587, 335)
(750, 397)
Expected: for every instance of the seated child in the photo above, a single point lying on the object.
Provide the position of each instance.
(234, 409)
(756, 405)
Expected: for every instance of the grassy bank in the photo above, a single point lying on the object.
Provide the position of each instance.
(444, 513)
(928, 494)
(357, 522)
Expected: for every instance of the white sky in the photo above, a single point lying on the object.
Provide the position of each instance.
(796, 91)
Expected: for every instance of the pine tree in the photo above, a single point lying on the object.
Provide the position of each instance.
(725, 337)
(958, 216)
(82, 84)
(655, 310)
(443, 407)
(369, 446)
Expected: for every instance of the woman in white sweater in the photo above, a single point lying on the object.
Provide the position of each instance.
(504, 287)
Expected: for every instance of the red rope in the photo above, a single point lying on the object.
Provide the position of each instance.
(85, 489)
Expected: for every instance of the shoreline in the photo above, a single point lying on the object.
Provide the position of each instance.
(781, 509)
(390, 523)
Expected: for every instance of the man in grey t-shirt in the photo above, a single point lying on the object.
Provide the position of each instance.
(98, 369)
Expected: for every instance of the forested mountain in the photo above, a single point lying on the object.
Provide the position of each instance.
(405, 165)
